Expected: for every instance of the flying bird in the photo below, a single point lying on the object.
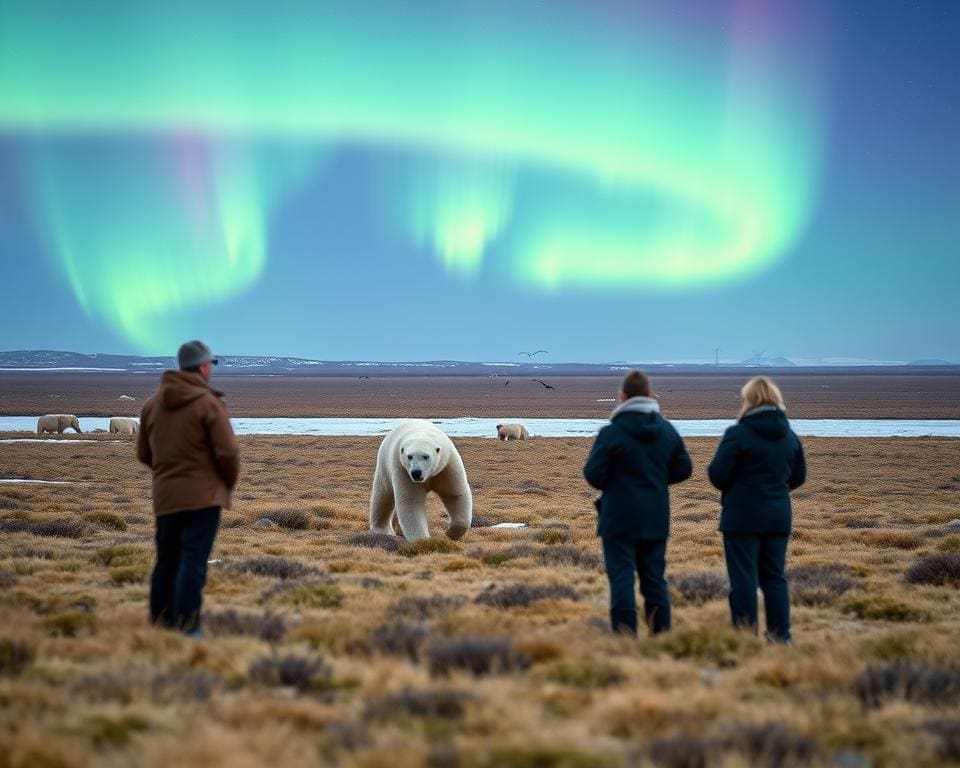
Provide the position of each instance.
(531, 354)
(545, 385)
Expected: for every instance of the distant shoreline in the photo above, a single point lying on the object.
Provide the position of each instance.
(811, 394)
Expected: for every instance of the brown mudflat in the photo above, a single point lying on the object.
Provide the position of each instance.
(324, 651)
(819, 395)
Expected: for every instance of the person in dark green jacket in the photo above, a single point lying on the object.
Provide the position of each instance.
(632, 461)
(757, 463)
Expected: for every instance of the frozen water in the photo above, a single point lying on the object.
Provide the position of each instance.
(481, 427)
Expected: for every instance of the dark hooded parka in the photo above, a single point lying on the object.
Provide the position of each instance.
(758, 462)
(633, 460)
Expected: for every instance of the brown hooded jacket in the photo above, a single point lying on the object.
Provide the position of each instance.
(186, 439)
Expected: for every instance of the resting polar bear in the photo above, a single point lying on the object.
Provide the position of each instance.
(415, 458)
(120, 425)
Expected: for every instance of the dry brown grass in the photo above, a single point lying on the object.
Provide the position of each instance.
(489, 652)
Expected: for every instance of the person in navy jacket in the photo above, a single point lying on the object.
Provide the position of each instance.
(632, 461)
(758, 462)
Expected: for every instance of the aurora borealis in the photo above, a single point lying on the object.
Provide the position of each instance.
(175, 160)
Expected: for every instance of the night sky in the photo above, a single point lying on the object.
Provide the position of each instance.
(637, 181)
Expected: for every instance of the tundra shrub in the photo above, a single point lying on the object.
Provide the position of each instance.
(273, 567)
(183, 684)
(266, 626)
(14, 525)
(445, 704)
(766, 746)
(501, 556)
(552, 536)
(911, 680)
(105, 519)
(566, 554)
(682, 751)
(941, 570)
(107, 731)
(400, 639)
(300, 672)
(770, 745)
(522, 595)
(371, 540)
(128, 574)
(428, 547)
(861, 523)
(477, 655)
(946, 735)
(724, 646)
(422, 608)
(880, 608)
(122, 555)
(700, 588)
(14, 656)
(62, 528)
(586, 673)
(818, 584)
(290, 519)
(70, 624)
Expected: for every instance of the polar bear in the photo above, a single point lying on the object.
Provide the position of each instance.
(58, 422)
(415, 458)
(512, 432)
(121, 425)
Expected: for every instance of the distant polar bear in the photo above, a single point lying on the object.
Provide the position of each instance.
(512, 432)
(121, 425)
(415, 458)
(57, 422)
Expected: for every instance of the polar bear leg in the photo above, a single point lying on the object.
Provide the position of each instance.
(381, 508)
(412, 513)
(460, 510)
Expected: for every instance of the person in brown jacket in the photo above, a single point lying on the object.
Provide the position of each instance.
(186, 439)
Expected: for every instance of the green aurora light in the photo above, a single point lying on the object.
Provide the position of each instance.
(675, 157)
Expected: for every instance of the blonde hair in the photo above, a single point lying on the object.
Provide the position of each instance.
(760, 390)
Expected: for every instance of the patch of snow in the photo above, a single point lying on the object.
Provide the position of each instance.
(844, 362)
(39, 369)
(54, 440)
(21, 481)
(509, 525)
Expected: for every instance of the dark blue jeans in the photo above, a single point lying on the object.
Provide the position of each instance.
(754, 561)
(625, 559)
(184, 541)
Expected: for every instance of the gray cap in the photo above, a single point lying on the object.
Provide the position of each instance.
(194, 353)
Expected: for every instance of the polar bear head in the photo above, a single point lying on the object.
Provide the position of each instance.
(420, 456)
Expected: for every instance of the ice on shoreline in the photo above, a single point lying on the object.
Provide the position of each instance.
(23, 481)
(68, 441)
(482, 427)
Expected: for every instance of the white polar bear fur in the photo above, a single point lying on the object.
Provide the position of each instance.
(121, 425)
(395, 492)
